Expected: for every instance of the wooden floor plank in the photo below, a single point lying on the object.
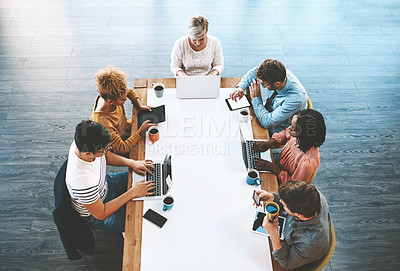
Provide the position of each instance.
(345, 53)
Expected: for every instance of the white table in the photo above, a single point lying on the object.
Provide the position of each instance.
(209, 226)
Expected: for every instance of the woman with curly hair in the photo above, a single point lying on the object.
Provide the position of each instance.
(109, 111)
(300, 156)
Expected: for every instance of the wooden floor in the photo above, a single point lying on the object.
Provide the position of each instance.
(345, 52)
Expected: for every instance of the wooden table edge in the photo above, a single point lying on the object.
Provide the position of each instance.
(134, 209)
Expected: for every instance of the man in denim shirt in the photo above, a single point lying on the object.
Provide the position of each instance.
(307, 231)
(286, 95)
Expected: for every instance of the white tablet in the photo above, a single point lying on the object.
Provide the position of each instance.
(240, 103)
(256, 226)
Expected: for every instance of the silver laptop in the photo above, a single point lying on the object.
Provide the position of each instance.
(162, 177)
(248, 154)
(197, 87)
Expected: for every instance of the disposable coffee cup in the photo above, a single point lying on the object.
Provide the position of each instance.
(154, 134)
(158, 89)
(168, 202)
(245, 115)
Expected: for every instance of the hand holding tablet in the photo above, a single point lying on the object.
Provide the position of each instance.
(240, 103)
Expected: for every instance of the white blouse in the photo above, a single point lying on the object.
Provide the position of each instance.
(184, 58)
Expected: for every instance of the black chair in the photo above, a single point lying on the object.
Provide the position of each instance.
(74, 232)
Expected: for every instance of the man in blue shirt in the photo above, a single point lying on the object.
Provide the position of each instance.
(286, 95)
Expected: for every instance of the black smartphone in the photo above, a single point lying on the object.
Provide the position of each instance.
(256, 198)
(155, 218)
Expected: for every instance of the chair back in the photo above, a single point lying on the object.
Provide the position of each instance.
(75, 233)
(313, 176)
(320, 264)
(309, 103)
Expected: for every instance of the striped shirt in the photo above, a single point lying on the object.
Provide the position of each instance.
(86, 181)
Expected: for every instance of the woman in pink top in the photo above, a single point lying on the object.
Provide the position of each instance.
(300, 156)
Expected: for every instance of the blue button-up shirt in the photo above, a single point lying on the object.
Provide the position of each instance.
(289, 100)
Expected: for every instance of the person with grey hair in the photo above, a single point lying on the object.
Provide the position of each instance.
(197, 53)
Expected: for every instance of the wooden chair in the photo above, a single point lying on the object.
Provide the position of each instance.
(320, 264)
(313, 176)
(309, 103)
(325, 260)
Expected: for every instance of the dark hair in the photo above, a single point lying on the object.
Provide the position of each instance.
(91, 136)
(310, 128)
(300, 197)
(271, 71)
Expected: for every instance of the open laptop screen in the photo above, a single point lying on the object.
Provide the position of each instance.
(197, 87)
(244, 151)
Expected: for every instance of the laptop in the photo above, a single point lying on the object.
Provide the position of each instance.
(162, 177)
(197, 87)
(248, 154)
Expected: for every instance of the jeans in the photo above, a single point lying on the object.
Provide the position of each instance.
(117, 185)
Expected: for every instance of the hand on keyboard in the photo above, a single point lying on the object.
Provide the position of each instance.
(264, 165)
(141, 189)
(141, 167)
(155, 177)
(261, 146)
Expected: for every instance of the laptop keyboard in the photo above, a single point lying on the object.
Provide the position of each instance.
(156, 178)
(251, 154)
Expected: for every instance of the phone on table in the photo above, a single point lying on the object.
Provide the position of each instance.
(256, 198)
(155, 218)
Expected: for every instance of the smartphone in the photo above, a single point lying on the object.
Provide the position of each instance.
(241, 103)
(256, 198)
(155, 218)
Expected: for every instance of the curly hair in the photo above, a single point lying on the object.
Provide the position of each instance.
(300, 197)
(271, 71)
(111, 83)
(311, 129)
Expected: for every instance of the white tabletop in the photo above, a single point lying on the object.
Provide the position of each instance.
(209, 226)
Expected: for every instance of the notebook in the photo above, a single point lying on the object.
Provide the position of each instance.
(197, 87)
(248, 154)
(162, 177)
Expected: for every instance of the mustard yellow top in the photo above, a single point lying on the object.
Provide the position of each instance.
(118, 124)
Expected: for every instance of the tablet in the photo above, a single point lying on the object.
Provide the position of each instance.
(156, 115)
(239, 104)
(256, 226)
